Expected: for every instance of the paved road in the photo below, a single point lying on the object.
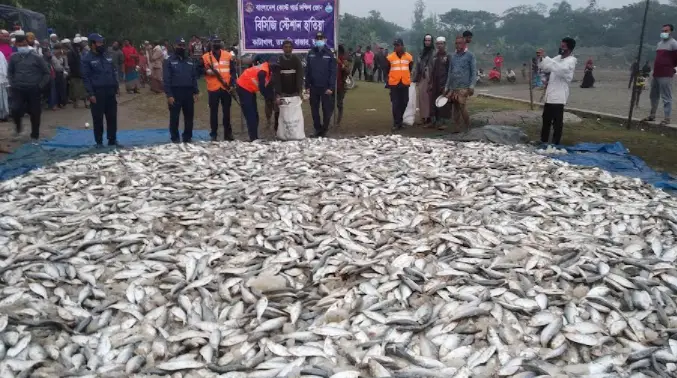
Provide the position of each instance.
(611, 97)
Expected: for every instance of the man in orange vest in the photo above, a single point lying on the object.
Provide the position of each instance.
(220, 73)
(398, 71)
(255, 79)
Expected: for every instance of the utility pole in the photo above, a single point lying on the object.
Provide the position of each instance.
(636, 71)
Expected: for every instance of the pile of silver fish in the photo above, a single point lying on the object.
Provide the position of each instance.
(373, 257)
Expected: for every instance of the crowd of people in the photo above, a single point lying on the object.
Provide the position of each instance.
(89, 71)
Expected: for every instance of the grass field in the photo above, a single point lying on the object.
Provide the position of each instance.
(368, 112)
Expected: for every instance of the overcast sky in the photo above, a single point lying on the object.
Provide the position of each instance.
(400, 12)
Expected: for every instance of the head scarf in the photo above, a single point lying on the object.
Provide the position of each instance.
(428, 49)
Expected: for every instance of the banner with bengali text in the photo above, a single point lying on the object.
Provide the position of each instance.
(265, 24)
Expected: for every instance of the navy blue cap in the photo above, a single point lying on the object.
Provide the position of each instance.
(180, 40)
(215, 38)
(398, 42)
(95, 37)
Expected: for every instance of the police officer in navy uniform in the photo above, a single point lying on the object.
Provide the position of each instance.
(180, 81)
(101, 82)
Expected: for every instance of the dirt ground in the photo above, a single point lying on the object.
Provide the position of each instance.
(368, 112)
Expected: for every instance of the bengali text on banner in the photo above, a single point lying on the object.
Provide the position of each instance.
(265, 24)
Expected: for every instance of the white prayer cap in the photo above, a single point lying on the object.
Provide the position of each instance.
(52, 35)
(13, 39)
(65, 40)
(77, 35)
(19, 32)
(83, 39)
(77, 40)
(441, 39)
(3, 31)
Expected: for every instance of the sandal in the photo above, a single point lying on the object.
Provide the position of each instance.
(665, 122)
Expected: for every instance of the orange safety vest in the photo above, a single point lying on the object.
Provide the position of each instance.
(399, 69)
(221, 67)
(249, 80)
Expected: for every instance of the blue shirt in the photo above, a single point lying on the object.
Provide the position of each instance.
(98, 72)
(179, 73)
(462, 71)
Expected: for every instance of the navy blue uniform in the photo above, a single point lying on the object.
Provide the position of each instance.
(249, 106)
(320, 76)
(100, 79)
(180, 82)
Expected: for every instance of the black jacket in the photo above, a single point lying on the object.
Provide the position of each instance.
(288, 77)
(74, 63)
(27, 71)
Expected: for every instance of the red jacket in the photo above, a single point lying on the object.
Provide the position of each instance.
(131, 56)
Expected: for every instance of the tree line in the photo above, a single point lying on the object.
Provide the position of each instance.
(516, 33)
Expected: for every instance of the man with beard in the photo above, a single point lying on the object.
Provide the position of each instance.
(440, 73)
(461, 81)
(288, 77)
(422, 79)
(76, 89)
(561, 69)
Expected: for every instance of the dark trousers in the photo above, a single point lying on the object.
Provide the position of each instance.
(357, 68)
(378, 74)
(225, 99)
(61, 89)
(27, 100)
(199, 66)
(183, 101)
(399, 97)
(106, 106)
(553, 115)
(319, 97)
(340, 96)
(250, 112)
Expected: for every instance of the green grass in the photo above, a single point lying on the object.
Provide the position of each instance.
(368, 112)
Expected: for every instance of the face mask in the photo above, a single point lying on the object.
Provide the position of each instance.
(319, 43)
(101, 49)
(23, 49)
(180, 51)
(665, 35)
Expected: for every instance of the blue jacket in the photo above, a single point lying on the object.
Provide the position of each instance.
(321, 69)
(98, 72)
(179, 73)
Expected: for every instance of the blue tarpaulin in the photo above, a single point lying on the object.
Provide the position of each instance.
(614, 157)
(69, 143)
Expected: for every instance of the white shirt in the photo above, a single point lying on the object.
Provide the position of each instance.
(561, 73)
